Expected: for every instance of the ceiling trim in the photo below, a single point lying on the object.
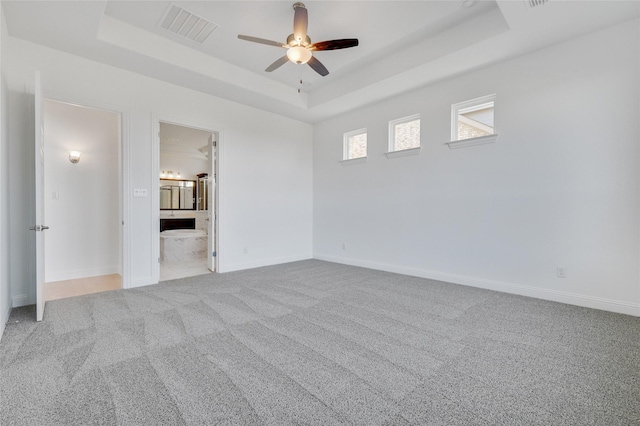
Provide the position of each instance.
(125, 36)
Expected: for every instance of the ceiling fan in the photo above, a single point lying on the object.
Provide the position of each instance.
(299, 47)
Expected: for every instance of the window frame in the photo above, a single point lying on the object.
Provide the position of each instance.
(393, 153)
(345, 145)
(471, 105)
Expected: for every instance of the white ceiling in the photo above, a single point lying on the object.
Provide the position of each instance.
(403, 44)
(183, 141)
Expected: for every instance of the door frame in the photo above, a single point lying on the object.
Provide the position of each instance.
(155, 175)
(39, 224)
(125, 170)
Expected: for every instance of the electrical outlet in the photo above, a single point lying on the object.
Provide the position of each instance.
(246, 250)
(561, 272)
(344, 246)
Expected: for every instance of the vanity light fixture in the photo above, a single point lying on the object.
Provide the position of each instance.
(74, 156)
(170, 175)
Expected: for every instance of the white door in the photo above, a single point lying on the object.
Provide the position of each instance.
(211, 207)
(39, 226)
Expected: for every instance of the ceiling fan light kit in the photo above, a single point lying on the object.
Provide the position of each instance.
(299, 47)
(299, 54)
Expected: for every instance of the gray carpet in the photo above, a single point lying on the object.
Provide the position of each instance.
(318, 343)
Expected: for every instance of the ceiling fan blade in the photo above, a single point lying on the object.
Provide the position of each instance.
(334, 44)
(317, 66)
(300, 22)
(277, 64)
(261, 40)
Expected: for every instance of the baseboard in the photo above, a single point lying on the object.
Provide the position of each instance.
(604, 304)
(19, 300)
(262, 262)
(81, 273)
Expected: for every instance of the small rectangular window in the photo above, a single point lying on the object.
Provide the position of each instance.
(355, 144)
(404, 133)
(473, 118)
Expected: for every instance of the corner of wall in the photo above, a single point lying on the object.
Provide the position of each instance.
(5, 286)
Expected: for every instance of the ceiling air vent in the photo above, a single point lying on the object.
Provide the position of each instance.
(534, 3)
(187, 25)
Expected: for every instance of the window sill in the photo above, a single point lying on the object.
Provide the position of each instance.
(353, 161)
(403, 153)
(472, 141)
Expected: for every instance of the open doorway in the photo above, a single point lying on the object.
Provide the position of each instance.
(82, 200)
(187, 185)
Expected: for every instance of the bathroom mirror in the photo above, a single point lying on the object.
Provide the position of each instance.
(177, 194)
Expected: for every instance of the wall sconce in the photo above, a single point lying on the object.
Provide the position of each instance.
(74, 156)
(163, 175)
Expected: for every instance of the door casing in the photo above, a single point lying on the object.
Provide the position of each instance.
(157, 118)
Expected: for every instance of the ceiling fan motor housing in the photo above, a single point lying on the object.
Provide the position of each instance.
(291, 41)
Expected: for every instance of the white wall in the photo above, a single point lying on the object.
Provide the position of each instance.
(83, 239)
(5, 288)
(560, 187)
(189, 168)
(265, 179)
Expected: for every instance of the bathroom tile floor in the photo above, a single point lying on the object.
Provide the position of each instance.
(78, 287)
(172, 271)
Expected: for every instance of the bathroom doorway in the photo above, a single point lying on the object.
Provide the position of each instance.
(187, 195)
(82, 200)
